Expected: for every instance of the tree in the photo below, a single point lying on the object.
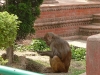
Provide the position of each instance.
(8, 30)
(27, 11)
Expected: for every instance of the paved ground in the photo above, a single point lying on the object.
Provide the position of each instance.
(67, 1)
(78, 43)
(74, 1)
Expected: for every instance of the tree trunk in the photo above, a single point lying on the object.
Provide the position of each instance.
(9, 52)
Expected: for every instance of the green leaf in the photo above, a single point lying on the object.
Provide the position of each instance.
(8, 29)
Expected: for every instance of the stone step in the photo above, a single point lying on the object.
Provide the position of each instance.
(64, 19)
(52, 21)
(50, 1)
(96, 18)
(96, 15)
(92, 27)
(89, 30)
(96, 24)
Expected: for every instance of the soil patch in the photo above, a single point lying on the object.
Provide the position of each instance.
(33, 62)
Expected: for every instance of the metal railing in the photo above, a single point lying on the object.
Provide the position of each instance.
(4, 70)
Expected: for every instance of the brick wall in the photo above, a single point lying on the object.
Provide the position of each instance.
(64, 19)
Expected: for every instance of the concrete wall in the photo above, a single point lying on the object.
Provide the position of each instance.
(93, 55)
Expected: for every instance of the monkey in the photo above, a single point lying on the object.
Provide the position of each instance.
(60, 53)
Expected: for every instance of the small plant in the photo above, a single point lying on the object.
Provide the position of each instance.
(20, 48)
(39, 44)
(36, 45)
(2, 61)
(78, 53)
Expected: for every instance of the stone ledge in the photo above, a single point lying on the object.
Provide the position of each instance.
(96, 24)
(89, 30)
(62, 18)
(83, 37)
(61, 22)
(57, 7)
(97, 15)
(90, 27)
(74, 24)
(71, 37)
(50, 2)
(65, 18)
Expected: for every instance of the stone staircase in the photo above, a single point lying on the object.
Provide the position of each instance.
(91, 29)
(67, 20)
(50, 1)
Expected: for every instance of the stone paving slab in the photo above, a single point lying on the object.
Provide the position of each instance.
(95, 27)
(67, 1)
(77, 43)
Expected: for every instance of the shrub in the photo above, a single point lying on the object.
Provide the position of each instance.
(2, 61)
(36, 45)
(8, 29)
(39, 45)
(27, 11)
(78, 53)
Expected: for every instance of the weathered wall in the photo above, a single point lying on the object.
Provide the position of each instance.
(65, 19)
(93, 55)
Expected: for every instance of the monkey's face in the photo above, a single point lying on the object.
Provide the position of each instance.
(47, 39)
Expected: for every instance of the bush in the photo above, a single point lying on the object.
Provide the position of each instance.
(36, 45)
(8, 29)
(2, 61)
(39, 45)
(78, 53)
(27, 11)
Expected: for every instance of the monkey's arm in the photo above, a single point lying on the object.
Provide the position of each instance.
(46, 53)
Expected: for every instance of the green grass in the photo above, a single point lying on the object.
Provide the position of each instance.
(77, 67)
(74, 71)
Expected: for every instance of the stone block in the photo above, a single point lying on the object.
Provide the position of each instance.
(93, 55)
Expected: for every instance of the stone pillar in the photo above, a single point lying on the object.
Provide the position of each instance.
(93, 55)
(49, 1)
